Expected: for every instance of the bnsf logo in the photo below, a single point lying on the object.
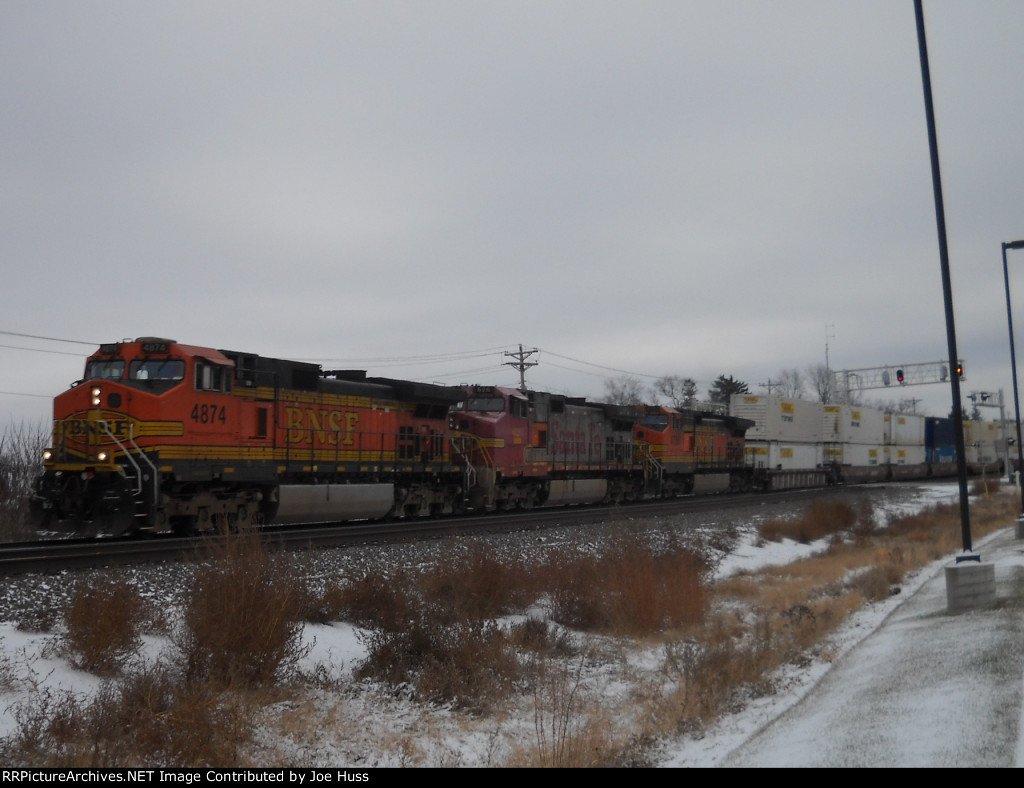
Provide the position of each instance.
(78, 427)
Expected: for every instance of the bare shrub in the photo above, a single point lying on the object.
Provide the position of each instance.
(104, 620)
(42, 617)
(160, 719)
(38, 722)
(629, 589)
(565, 734)
(467, 663)
(374, 600)
(325, 605)
(473, 583)
(150, 718)
(243, 620)
(537, 635)
(821, 519)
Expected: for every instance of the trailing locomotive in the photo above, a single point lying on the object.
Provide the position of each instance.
(160, 436)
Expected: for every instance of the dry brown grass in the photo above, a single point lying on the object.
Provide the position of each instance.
(824, 517)
(629, 589)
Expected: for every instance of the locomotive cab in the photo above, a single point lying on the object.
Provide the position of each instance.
(101, 473)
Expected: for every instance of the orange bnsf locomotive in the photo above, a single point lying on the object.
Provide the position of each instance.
(160, 437)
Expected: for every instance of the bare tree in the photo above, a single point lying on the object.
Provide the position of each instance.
(21, 453)
(680, 392)
(624, 390)
(788, 383)
(823, 382)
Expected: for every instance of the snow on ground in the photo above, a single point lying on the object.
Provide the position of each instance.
(347, 723)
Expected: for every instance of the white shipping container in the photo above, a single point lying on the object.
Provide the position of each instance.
(906, 429)
(846, 424)
(907, 455)
(859, 454)
(779, 418)
(783, 455)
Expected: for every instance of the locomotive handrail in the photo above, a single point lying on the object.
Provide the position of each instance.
(652, 468)
(131, 459)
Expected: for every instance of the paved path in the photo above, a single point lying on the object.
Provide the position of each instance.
(927, 688)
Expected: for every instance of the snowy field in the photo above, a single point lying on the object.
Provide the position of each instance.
(360, 724)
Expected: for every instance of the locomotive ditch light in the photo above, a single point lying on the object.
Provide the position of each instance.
(47, 454)
(102, 456)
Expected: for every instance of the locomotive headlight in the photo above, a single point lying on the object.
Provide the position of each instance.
(95, 396)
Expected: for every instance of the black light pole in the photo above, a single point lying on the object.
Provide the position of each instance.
(1013, 367)
(947, 289)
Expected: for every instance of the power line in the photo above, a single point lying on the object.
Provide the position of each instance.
(23, 394)
(600, 366)
(40, 350)
(48, 339)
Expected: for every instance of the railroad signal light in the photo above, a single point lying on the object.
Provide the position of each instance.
(960, 371)
(899, 375)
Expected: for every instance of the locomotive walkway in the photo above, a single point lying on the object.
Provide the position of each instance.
(928, 688)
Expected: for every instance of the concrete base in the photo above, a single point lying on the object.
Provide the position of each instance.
(970, 585)
(1018, 529)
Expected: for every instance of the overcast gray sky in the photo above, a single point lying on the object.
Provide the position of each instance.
(685, 187)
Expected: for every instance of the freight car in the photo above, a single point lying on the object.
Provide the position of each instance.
(798, 443)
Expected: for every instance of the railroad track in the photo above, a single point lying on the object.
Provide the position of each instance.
(56, 555)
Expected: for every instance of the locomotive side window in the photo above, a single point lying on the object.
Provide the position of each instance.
(157, 369)
(212, 377)
(107, 370)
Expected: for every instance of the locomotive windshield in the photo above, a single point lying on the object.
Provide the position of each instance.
(107, 370)
(486, 404)
(157, 369)
(656, 421)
